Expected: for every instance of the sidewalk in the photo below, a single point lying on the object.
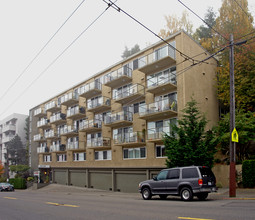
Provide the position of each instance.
(222, 193)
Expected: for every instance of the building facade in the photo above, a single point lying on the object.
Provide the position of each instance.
(9, 127)
(106, 132)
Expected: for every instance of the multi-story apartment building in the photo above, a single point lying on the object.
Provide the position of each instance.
(106, 132)
(9, 127)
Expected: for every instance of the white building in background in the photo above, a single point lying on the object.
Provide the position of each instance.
(9, 127)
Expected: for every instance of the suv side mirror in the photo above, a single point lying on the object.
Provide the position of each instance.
(155, 178)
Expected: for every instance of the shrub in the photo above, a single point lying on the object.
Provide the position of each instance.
(18, 183)
(248, 173)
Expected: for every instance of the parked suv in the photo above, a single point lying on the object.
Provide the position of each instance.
(180, 181)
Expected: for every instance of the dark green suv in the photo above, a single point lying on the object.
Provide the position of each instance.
(180, 181)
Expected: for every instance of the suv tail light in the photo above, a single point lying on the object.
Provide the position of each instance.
(200, 182)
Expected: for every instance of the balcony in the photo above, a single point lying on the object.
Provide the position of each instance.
(58, 119)
(158, 60)
(165, 108)
(76, 113)
(69, 99)
(7, 138)
(73, 145)
(133, 139)
(39, 112)
(118, 77)
(42, 150)
(58, 148)
(101, 143)
(90, 126)
(43, 123)
(99, 104)
(52, 107)
(68, 131)
(51, 135)
(132, 94)
(155, 135)
(38, 138)
(162, 84)
(119, 119)
(9, 127)
(90, 90)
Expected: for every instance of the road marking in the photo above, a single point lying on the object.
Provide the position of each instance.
(10, 198)
(66, 205)
(194, 218)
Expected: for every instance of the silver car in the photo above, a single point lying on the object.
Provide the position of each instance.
(180, 181)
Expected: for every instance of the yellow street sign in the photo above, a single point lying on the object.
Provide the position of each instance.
(234, 135)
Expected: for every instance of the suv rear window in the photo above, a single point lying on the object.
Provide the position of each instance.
(206, 172)
(188, 173)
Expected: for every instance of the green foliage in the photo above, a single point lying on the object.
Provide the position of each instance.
(189, 143)
(18, 183)
(245, 126)
(30, 179)
(248, 173)
(3, 179)
(20, 169)
(127, 53)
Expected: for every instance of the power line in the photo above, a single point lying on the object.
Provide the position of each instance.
(40, 51)
(242, 8)
(202, 20)
(117, 8)
(22, 93)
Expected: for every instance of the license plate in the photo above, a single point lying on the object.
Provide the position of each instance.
(209, 183)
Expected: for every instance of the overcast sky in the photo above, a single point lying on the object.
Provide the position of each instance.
(27, 25)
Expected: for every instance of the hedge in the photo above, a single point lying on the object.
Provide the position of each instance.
(248, 173)
(18, 183)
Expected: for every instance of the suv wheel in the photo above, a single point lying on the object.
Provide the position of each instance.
(202, 196)
(146, 193)
(186, 194)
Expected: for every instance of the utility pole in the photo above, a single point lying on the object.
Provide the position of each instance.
(232, 173)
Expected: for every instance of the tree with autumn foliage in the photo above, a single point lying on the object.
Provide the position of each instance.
(1, 169)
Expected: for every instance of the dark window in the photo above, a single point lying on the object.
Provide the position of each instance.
(189, 173)
(104, 155)
(136, 107)
(96, 155)
(206, 172)
(143, 152)
(135, 64)
(84, 156)
(126, 153)
(173, 174)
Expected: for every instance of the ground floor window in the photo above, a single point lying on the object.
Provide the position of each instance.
(61, 157)
(47, 158)
(134, 153)
(103, 155)
(160, 151)
(79, 156)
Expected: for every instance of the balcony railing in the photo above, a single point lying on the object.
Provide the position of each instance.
(69, 99)
(73, 145)
(123, 118)
(57, 148)
(43, 123)
(39, 112)
(42, 150)
(163, 83)
(52, 106)
(76, 112)
(90, 125)
(131, 94)
(9, 127)
(51, 134)
(91, 89)
(38, 137)
(159, 59)
(157, 110)
(99, 104)
(133, 138)
(68, 130)
(58, 118)
(156, 134)
(118, 77)
(99, 142)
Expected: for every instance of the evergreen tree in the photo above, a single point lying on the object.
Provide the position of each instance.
(189, 143)
(126, 53)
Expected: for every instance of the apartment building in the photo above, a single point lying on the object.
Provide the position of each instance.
(9, 127)
(106, 132)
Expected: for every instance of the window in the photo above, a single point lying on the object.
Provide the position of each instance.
(61, 157)
(47, 158)
(162, 175)
(134, 153)
(160, 151)
(173, 174)
(79, 156)
(188, 173)
(103, 155)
